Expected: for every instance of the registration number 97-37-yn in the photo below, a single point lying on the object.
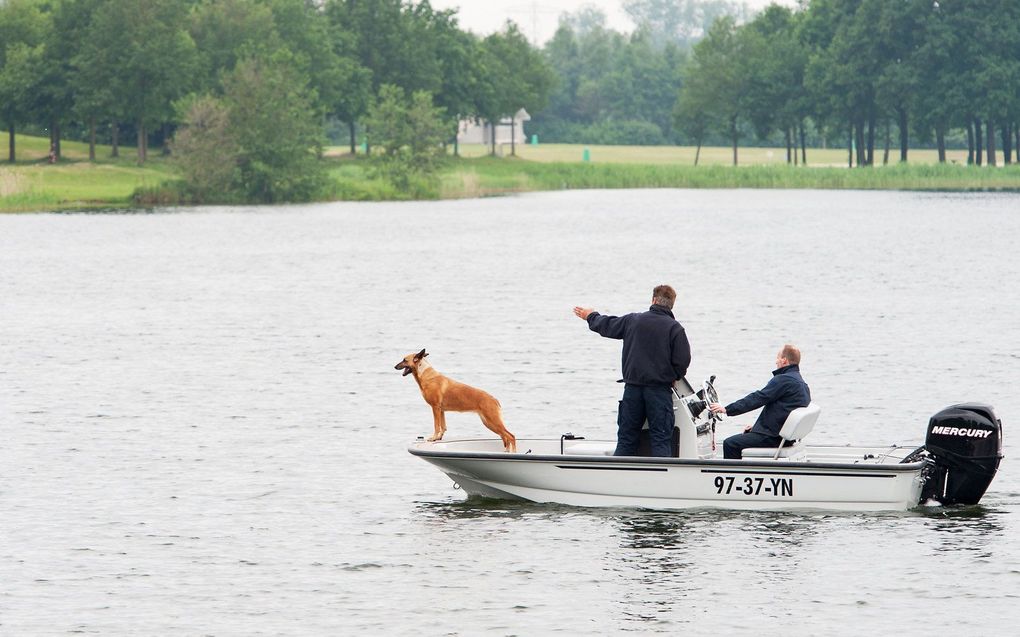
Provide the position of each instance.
(754, 486)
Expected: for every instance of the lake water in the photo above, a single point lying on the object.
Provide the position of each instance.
(203, 433)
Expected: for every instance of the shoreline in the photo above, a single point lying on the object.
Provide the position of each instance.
(76, 185)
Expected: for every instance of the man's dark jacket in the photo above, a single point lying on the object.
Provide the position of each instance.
(655, 347)
(784, 393)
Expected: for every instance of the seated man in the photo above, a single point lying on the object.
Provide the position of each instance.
(784, 393)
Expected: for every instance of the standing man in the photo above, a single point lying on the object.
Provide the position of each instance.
(655, 354)
(784, 393)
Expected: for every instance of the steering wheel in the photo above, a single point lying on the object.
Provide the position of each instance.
(710, 395)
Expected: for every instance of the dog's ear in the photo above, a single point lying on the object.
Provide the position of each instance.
(420, 355)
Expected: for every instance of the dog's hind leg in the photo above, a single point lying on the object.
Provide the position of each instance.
(439, 424)
(493, 419)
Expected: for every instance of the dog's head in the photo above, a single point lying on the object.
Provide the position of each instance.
(410, 362)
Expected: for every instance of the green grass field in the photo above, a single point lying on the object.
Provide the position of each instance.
(32, 184)
(684, 155)
(74, 183)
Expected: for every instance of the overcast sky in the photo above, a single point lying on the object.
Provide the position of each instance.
(538, 18)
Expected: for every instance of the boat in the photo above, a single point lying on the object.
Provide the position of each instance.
(955, 466)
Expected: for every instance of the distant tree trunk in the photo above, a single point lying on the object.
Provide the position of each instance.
(141, 143)
(789, 156)
(1007, 144)
(734, 136)
(354, 145)
(115, 135)
(978, 148)
(1016, 133)
(940, 139)
(850, 148)
(697, 153)
(492, 137)
(165, 150)
(862, 149)
(803, 146)
(55, 139)
(904, 133)
(970, 145)
(92, 139)
(990, 130)
(513, 139)
(871, 139)
(793, 133)
(888, 141)
(10, 143)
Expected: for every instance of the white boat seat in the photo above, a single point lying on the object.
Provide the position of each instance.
(798, 424)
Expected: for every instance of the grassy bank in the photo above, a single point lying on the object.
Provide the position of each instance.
(75, 183)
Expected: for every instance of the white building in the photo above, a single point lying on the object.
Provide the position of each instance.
(508, 130)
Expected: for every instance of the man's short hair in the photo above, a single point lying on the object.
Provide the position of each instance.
(791, 354)
(664, 295)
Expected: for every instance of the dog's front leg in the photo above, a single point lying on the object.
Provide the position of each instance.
(439, 424)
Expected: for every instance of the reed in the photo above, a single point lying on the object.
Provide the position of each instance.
(481, 177)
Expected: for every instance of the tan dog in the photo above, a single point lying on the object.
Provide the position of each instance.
(444, 394)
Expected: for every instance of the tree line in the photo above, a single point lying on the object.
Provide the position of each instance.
(872, 73)
(106, 66)
(877, 76)
(265, 76)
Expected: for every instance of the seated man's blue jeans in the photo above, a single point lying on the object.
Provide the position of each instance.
(733, 447)
(640, 402)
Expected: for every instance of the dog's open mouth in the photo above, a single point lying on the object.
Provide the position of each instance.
(402, 365)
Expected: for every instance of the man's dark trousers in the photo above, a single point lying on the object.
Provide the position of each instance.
(734, 446)
(641, 402)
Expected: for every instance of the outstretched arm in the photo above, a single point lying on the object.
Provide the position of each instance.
(755, 399)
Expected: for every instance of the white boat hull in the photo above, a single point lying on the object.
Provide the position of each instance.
(836, 478)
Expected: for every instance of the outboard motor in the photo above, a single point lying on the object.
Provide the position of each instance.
(965, 443)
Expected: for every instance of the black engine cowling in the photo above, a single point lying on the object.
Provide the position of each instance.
(965, 442)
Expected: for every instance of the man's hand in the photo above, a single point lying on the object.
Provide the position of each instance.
(717, 409)
(583, 312)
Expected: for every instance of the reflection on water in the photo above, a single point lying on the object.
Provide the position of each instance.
(975, 530)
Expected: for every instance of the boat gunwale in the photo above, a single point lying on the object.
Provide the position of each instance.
(737, 465)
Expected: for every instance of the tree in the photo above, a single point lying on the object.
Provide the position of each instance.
(225, 31)
(87, 73)
(841, 71)
(514, 76)
(411, 133)
(23, 29)
(147, 56)
(940, 98)
(692, 116)
(277, 129)
(204, 149)
(681, 22)
(717, 79)
(775, 96)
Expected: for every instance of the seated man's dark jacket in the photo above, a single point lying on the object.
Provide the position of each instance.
(784, 393)
(655, 347)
